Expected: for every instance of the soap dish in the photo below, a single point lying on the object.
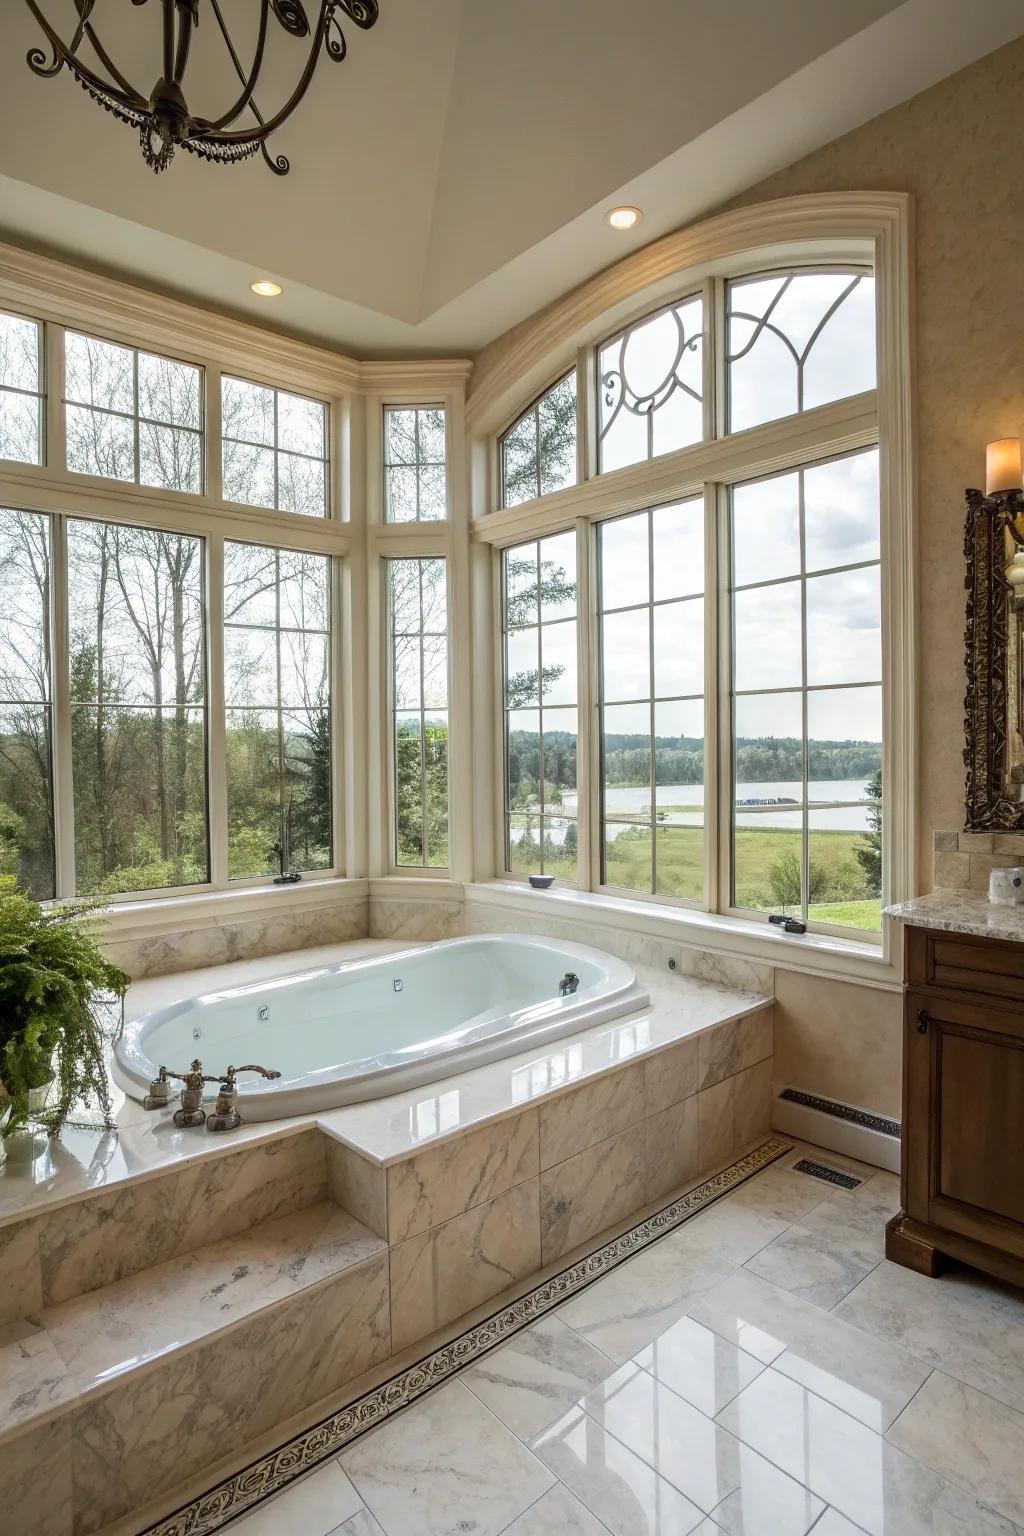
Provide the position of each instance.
(542, 882)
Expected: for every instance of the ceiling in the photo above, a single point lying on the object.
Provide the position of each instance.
(450, 177)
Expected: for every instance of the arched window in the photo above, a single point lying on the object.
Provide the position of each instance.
(538, 452)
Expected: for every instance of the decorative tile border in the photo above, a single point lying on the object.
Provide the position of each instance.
(238, 1494)
(829, 1175)
(872, 1122)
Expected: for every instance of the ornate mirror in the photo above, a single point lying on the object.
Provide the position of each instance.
(994, 658)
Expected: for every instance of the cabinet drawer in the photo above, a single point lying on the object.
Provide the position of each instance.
(983, 965)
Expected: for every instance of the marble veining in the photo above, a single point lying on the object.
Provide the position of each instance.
(961, 911)
(535, 1377)
(591, 1191)
(446, 1180)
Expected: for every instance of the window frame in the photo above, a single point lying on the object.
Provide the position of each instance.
(416, 406)
(276, 449)
(521, 415)
(704, 469)
(202, 432)
(41, 396)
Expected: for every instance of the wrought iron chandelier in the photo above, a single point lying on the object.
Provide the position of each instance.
(163, 116)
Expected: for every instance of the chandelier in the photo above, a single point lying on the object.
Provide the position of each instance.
(163, 116)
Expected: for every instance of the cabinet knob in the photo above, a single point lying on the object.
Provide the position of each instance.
(922, 1022)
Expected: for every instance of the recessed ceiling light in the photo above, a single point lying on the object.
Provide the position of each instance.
(623, 218)
(266, 288)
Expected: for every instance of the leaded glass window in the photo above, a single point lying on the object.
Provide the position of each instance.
(538, 452)
(650, 386)
(540, 697)
(796, 340)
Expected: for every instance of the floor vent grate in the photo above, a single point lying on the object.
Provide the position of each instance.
(829, 1175)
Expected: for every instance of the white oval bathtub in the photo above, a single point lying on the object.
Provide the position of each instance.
(364, 1028)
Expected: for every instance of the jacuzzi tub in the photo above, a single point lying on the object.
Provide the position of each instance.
(364, 1028)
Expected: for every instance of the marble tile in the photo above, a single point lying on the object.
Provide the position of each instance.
(671, 1075)
(623, 1312)
(589, 1114)
(752, 1109)
(856, 1225)
(591, 1191)
(815, 1265)
(626, 1493)
(732, 1047)
(209, 1402)
(93, 1243)
(446, 1180)
(35, 1481)
(414, 921)
(34, 1381)
(358, 1185)
(103, 1334)
(537, 1375)
(944, 842)
(728, 970)
(440, 1274)
(316, 1506)
(715, 1112)
(868, 1378)
(967, 1325)
(869, 1480)
(952, 870)
(700, 1458)
(754, 1214)
(968, 1437)
(21, 1284)
(557, 1513)
(670, 1148)
(445, 1466)
(699, 1365)
(832, 1523)
(362, 1524)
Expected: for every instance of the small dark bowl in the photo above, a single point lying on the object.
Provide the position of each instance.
(542, 882)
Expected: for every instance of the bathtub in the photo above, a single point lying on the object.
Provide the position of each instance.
(361, 1029)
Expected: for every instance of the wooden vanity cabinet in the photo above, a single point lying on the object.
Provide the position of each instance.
(963, 1105)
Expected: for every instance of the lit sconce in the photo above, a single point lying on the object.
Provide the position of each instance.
(1004, 486)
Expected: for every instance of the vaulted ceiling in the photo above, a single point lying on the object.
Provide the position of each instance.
(451, 176)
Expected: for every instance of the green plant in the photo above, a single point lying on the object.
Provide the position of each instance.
(51, 974)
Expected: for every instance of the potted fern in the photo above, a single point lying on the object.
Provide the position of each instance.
(52, 1043)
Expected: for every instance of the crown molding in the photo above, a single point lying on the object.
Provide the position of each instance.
(48, 288)
(535, 350)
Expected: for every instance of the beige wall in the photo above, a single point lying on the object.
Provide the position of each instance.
(838, 1040)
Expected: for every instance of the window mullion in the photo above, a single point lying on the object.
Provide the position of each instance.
(587, 735)
(805, 852)
(60, 693)
(723, 739)
(216, 729)
(715, 654)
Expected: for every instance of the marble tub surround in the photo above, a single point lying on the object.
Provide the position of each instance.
(962, 911)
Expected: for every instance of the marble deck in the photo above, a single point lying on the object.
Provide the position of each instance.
(953, 910)
(686, 1393)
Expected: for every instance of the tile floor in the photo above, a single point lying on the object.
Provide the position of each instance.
(762, 1371)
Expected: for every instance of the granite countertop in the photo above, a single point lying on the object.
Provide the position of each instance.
(957, 911)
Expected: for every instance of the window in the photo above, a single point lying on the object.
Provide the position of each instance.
(540, 670)
(132, 415)
(418, 610)
(274, 448)
(21, 389)
(538, 452)
(138, 707)
(277, 624)
(414, 464)
(649, 386)
(651, 573)
(26, 778)
(796, 340)
(807, 696)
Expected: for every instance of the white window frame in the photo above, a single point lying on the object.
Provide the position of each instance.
(834, 229)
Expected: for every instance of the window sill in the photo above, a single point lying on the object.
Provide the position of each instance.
(812, 953)
(155, 915)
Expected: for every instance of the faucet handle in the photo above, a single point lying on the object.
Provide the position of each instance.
(232, 1072)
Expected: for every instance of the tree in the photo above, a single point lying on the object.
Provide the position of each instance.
(869, 854)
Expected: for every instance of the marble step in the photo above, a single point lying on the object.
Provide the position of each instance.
(57, 1359)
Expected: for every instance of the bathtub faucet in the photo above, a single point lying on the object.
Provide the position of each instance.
(224, 1115)
(569, 984)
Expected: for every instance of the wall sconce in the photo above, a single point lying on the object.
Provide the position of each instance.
(1004, 486)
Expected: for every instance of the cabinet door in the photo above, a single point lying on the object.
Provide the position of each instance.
(965, 1104)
